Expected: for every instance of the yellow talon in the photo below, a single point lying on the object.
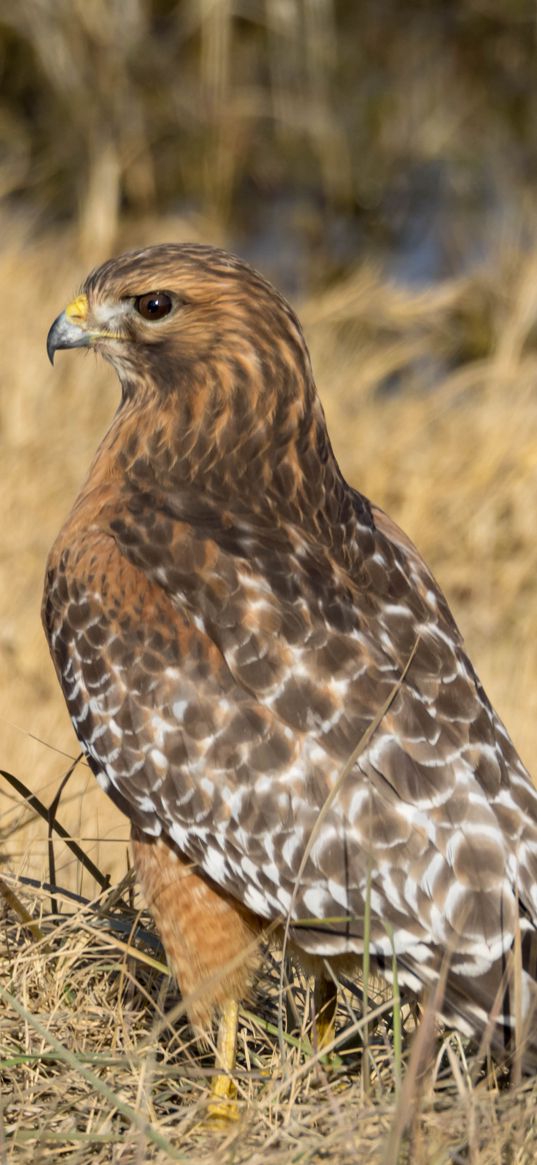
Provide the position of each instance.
(223, 1105)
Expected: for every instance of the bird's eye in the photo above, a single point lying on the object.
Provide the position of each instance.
(153, 306)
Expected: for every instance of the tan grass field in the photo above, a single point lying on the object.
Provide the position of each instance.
(91, 1071)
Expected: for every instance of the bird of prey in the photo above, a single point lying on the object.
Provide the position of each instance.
(266, 677)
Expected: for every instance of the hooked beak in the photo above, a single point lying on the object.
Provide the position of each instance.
(69, 329)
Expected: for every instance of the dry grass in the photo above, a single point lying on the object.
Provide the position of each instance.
(92, 1071)
(99, 1066)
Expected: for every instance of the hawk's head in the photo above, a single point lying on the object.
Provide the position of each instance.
(178, 306)
(215, 360)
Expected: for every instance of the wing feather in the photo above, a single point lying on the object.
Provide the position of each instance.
(220, 675)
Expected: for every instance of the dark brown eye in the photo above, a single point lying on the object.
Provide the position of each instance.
(153, 306)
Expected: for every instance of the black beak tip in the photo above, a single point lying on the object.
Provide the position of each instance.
(65, 333)
(52, 341)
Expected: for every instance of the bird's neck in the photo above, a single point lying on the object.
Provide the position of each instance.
(277, 458)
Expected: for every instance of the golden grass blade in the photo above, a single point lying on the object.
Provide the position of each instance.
(127, 949)
(99, 1086)
(14, 903)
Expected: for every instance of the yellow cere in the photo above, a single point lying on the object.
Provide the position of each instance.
(78, 308)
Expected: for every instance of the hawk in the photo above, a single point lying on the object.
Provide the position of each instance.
(266, 677)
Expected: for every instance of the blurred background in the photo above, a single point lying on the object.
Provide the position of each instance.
(376, 159)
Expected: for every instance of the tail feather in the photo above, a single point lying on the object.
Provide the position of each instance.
(499, 1007)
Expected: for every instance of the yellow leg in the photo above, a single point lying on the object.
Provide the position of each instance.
(223, 1090)
(325, 1004)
